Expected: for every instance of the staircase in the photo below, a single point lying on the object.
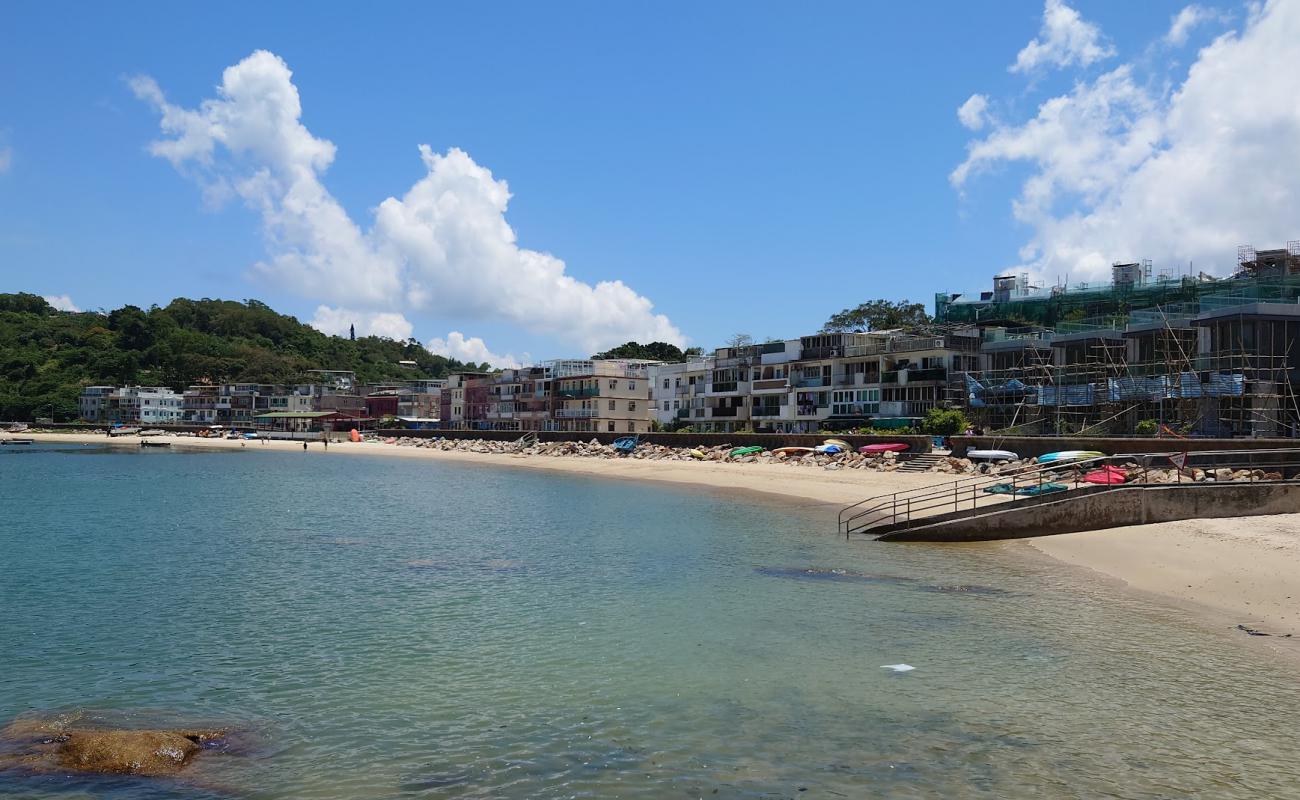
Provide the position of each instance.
(922, 462)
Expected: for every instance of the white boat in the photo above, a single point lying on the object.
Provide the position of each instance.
(992, 455)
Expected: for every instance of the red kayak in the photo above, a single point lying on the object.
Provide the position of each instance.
(876, 449)
(1106, 475)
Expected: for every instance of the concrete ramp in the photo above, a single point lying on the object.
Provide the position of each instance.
(1103, 507)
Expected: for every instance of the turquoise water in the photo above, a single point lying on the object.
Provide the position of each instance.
(398, 628)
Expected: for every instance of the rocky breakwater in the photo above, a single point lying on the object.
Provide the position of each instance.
(793, 457)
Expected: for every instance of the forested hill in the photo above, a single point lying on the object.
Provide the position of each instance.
(46, 355)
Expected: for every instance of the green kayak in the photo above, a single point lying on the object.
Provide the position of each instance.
(745, 451)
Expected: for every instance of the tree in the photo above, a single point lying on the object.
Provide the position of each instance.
(878, 315)
(655, 351)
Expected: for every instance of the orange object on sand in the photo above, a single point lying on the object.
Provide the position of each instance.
(354, 435)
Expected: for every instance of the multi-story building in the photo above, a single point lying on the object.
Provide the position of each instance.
(92, 401)
(151, 405)
(674, 387)
(600, 395)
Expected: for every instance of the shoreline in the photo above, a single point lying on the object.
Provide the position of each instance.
(803, 485)
(1221, 572)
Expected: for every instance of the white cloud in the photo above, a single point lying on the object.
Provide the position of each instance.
(973, 113)
(1119, 171)
(472, 349)
(6, 158)
(62, 302)
(443, 247)
(1182, 23)
(1064, 40)
(340, 321)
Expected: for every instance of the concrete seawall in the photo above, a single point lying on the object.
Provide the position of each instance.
(1098, 509)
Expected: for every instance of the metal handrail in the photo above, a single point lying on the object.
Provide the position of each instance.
(967, 490)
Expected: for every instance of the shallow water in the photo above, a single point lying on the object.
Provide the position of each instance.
(388, 629)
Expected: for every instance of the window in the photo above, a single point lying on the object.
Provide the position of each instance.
(665, 405)
(610, 426)
(631, 405)
(631, 384)
(665, 383)
(631, 427)
(677, 382)
(676, 404)
(613, 384)
(611, 405)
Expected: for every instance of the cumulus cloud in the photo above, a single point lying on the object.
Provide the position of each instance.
(1120, 171)
(62, 302)
(973, 113)
(340, 322)
(1064, 40)
(472, 349)
(6, 158)
(442, 247)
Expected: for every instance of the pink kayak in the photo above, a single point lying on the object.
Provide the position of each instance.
(876, 449)
(1106, 476)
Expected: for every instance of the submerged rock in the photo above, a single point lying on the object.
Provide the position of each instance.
(60, 744)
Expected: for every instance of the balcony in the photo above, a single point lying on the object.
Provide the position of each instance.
(682, 413)
(768, 411)
(728, 387)
(586, 391)
(771, 385)
(728, 411)
(812, 383)
(575, 413)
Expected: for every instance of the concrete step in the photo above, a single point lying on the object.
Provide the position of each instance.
(919, 463)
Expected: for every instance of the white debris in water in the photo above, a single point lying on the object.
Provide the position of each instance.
(899, 667)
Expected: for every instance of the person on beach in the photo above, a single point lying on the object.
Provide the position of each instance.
(304, 445)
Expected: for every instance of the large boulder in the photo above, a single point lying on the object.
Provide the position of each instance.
(55, 746)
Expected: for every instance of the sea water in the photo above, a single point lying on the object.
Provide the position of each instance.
(389, 628)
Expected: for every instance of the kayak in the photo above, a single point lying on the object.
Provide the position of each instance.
(992, 455)
(828, 449)
(1106, 476)
(696, 453)
(888, 447)
(1066, 456)
(840, 443)
(793, 451)
(745, 451)
(626, 444)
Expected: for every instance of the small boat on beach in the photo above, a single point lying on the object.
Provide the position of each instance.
(626, 444)
(1106, 476)
(1067, 456)
(829, 449)
(696, 454)
(13, 441)
(840, 443)
(991, 455)
(147, 443)
(883, 447)
(745, 451)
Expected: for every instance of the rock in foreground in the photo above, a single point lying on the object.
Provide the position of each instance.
(57, 745)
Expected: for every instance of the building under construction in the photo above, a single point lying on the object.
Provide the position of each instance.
(1189, 354)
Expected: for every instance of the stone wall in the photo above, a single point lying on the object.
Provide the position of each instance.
(1030, 446)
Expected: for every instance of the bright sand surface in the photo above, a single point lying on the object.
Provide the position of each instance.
(1232, 571)
(1224, 571)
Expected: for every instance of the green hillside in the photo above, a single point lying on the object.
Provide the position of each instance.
(46, 355)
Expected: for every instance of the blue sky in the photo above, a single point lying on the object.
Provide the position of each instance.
(744, 167)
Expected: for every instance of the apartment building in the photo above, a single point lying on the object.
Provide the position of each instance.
(605, 396)
(151, 405)
(92, 400)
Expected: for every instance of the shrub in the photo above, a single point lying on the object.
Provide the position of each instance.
(1146, 427)
(943, 422)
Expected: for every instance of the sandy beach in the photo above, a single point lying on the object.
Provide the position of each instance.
(1223, 572)
(1227, 571)
(805, 485)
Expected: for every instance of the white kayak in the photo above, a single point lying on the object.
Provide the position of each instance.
(992, 455)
